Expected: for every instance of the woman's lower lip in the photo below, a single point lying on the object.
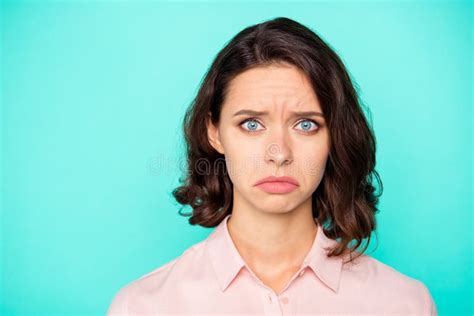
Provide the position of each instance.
(277, 187)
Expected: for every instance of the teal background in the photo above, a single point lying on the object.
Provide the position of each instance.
(92, 96)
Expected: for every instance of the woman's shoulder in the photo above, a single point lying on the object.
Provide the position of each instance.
(383, 281)
(151, 282)
(370, 268)
(157, 275)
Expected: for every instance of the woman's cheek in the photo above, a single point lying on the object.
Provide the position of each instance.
(235, 163)
(314, 166)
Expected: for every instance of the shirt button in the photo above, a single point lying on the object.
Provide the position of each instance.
(284, 300)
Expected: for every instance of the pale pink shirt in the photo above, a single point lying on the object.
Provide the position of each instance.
(211, 278)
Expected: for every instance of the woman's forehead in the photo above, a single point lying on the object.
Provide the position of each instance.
(280, 89)
(274, 79)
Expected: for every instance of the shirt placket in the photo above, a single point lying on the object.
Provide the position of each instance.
(276, 304)
(271, 304)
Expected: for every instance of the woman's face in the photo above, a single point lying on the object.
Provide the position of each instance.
(277, 142)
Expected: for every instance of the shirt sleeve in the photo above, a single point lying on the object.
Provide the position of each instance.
(429, 306)
(119, 304)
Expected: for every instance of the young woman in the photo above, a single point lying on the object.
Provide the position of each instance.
(281, 159)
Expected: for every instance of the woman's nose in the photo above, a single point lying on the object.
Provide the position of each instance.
(278, 151)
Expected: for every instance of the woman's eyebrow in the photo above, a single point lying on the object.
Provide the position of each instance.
(264, 113)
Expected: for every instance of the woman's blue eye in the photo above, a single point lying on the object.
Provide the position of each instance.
(252, 125)
(306, 125)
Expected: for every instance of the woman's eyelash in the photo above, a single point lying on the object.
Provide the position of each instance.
(302, 120)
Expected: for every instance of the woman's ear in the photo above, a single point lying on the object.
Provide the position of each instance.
(213, 135)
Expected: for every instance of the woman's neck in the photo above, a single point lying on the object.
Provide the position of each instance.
(273, 245)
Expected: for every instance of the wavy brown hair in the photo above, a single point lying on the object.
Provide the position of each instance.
(345, 200)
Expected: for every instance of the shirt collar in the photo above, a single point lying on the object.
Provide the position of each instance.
(227, 262)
